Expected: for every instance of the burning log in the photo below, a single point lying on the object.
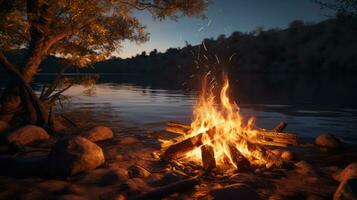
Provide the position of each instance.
(264, 154)
(208, 159)
(264, 137)
(179, 128)
(180, 149)
(238, 159)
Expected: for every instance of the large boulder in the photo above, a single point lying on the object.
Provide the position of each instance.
(26, 135)
(235, 191)
(72, 156)
(349, 172)
(327, 141)
(98, 133)
(347, 190)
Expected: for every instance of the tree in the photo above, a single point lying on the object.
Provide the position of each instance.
(345, 7)
(80, 31)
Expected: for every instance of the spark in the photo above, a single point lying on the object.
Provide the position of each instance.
(209, 22)
(204, 46)
(230, 58)
(217, 59)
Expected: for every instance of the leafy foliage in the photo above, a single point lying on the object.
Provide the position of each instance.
(83, 31)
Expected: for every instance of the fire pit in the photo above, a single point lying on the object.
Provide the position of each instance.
(218, 137)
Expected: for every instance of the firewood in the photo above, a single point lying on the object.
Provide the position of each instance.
(241, 162)
(261, 153)
(178, 130)
(208, 159)
(181, 148)
(264, 137)
(280, 127)
(165, 191)
(178, 124)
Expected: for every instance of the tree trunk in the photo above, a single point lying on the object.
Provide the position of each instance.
(37, 113)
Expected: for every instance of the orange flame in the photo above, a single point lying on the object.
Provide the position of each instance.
(230, 129)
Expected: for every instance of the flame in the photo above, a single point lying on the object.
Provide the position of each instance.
(230, 130)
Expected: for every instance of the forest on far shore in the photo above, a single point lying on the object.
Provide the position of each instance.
(327, 47)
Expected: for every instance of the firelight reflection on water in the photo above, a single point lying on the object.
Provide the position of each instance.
(308, 107)
(149, 106)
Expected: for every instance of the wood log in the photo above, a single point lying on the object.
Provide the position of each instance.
(280, 127)
(178, 124)
(241, 162)
(261, 153)
(208, 159)
(265, 137)
(164, 191)
(178, 130)
(178, 150)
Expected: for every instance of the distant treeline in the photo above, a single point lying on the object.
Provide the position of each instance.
(327, 47)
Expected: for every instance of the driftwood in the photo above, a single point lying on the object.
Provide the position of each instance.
(179, 149)
(164, 191)
(208, 159)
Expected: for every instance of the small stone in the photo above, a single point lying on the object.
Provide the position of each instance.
(327, 141)
(303, 167)
(72, 197)
(349, 172)
(58, 126)
(115, 176)
(72, 156)
(138, 185)
(235, 191)
(128, 141)
(347, 190)
(26, 135)
(137, 171)
(287, 155)
(53, 186)
(3, 126)
(98, 133)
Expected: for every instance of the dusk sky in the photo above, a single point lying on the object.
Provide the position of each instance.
(224, 17)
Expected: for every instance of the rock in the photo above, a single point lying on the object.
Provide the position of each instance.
(72, 156)
(128, 141)
(347, 190)
(72, 197)
(58, 126)
(138, 171)
(113, 177)
(287, 155)
(52, 186)
(303, 167)
(349, 172)
(138, 185)
(3, 126)
(27, 134)
(327, 141)
(98, 133)
(235, 191)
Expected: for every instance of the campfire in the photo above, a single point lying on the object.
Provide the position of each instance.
(219, 137)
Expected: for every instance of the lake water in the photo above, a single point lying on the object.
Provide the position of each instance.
(308, 107)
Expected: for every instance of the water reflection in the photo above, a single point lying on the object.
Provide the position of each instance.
(309, 107)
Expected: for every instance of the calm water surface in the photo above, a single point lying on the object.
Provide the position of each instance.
(147, 104)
